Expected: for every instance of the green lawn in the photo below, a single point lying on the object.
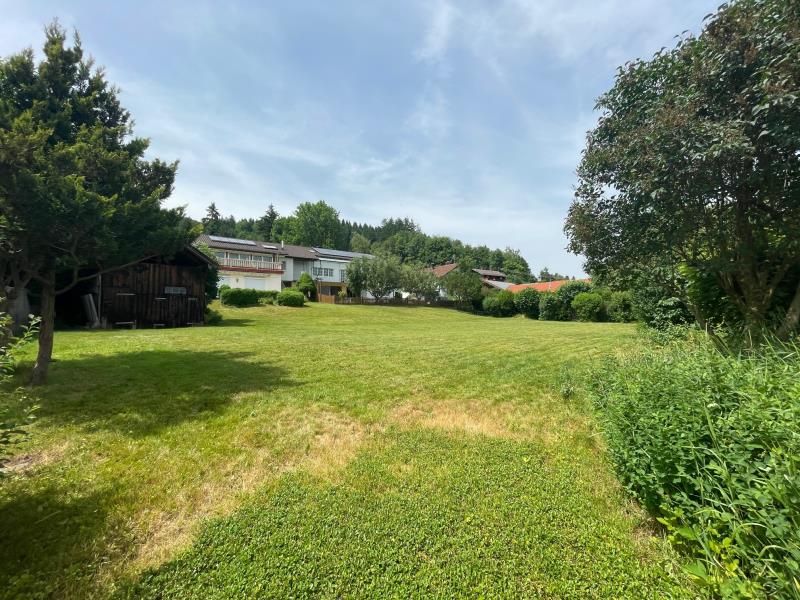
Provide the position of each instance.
(330, 450)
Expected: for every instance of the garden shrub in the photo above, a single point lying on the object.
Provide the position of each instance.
(566, 294)
(268, 297)
(306, 286)
(244, 296)
(549, 307)
(710, 443)
(290, 297)
(588, 306)
(499, 304)
(222, 288)
(527, 303)
(619, 307)
(655, 308)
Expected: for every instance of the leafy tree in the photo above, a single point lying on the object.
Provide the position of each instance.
(284, 229)
(358, 243)
(546, 275)
(306, 285)
(515, 267)
(695, 160)
(77, 197)
(463, 286)
(316, 224)
(357, 275)
(382, 275)
(419, 281)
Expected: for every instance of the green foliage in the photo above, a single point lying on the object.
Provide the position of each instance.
(550, 307)
(710, 444)
(212, 275)
(265, 298)
(694, 163)
(419, 281)
(619, 307)
(566, 294)
(527, 303)
(383, 275)
(222, 288)
(500, 304)
(242, 297)
(78, 194)
(652, 307)
(356, 275)
(212, 317)
(306, 285)
(18, 411)
(588, 306)
(290, 297)
(358, 243)
(463, 286)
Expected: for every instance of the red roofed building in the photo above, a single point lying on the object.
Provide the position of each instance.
(543, 286)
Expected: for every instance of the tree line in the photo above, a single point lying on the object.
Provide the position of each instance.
(319, 224)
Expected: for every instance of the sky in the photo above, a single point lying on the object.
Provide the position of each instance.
(467, 116)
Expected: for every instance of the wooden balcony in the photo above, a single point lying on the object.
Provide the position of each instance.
(246, 264)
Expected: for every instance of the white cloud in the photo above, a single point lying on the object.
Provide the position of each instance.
(438, 31)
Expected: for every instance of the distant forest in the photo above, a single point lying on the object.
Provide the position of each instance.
(319, 224)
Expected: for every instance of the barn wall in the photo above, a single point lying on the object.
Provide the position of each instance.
(150, 294)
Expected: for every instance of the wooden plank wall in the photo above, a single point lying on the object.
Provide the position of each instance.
(140, 295)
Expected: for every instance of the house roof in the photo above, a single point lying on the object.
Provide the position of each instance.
(442, 270)
(489, 273)
(544, 286)
(298, 252)
(240, 245)
(500, 285)
(338, 254)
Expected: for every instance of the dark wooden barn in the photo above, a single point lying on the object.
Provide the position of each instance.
(157, 292)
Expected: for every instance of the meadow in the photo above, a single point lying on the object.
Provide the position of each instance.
(331, 451)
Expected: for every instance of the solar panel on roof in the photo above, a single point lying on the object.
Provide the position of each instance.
(227, 240)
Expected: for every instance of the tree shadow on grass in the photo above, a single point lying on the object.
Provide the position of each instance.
(46, 531)
(141, 393)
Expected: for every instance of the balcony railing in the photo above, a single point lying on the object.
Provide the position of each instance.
(247, 263)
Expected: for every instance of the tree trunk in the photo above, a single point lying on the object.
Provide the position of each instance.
(792, 318)
(48, 306)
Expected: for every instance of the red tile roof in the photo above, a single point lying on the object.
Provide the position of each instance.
(442, 270)
(544, 286)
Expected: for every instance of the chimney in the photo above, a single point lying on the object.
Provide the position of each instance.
(281, 244)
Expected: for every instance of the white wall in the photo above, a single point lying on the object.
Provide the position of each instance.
(256, 281)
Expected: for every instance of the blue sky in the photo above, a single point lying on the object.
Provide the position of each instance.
(468, 117)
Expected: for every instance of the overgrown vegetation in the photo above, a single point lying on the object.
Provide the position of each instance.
(711, 444)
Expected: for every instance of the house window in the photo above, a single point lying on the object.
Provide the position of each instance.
(322, 272)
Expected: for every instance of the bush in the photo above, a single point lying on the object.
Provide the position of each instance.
(245, 296)
(711, 445)
(588, 306)
(212, 317)
(619, 307)
(527, 303)
(268, 297)
(549, 307)
(222, 288)
(652, 306)
(290, 297)
(500, 304)
(306, 286)
(566, 294)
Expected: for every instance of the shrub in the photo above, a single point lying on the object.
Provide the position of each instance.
(652, 306)
(268, 297)
(549, 307)
(306, 286)
(222, 288)
(212, 317)
(500, 304)
(588, 306)
(566, 294)
(527, 303)
(245, 296)
(619, 307)
(290, 297)
(710, 444)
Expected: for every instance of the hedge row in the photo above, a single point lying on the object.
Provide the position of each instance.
(242, 297)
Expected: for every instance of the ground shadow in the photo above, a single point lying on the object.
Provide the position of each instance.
(228, 322)
(141, 393)
(44, 532)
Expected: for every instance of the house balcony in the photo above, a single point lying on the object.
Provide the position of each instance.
(246, 264)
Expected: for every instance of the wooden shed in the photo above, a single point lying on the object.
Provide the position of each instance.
(157, 292)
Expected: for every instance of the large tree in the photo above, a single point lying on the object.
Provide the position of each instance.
(77, 197)
(695, 163)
